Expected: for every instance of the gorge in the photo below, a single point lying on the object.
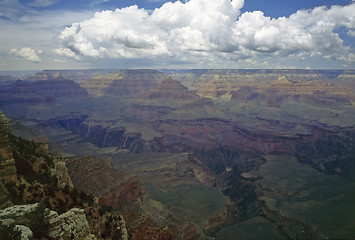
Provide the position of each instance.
(197, 154)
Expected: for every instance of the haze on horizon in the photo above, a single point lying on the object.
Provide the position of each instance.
(62, 34)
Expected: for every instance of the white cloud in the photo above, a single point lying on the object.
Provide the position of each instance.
(172, 30)
(27, 53)
(305, 32)
(56, 60)
(213, 30)
(65, 52)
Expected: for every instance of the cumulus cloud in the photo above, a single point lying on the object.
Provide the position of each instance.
(27, 53)
(65, 52)
(210, 29)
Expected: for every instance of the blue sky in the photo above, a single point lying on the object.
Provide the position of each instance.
(63, 34)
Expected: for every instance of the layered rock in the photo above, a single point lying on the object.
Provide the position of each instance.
(113, 188)
(75, 75)
(123, 194)
(123, 82)
(69, 225)
(171, 89)
(135, 82)
(98, 84)
(18, 212)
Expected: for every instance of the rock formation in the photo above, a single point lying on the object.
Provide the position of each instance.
(123, 82)
(113, 188)
(237, 126)
(69, 225)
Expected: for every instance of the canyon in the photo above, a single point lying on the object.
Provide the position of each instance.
(199, 154)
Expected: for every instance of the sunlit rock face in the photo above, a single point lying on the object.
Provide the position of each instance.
(123, 82)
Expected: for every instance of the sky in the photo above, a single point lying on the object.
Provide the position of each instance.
(122, 34)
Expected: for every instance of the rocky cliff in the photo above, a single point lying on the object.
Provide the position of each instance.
(123, 82)
(69, 225)
(231, 123)
(64, 211)
(113, 188)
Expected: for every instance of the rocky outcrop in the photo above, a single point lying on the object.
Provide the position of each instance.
(61, 173)
(26, 233)
(18, 212)
(69, 225)
(113, 226)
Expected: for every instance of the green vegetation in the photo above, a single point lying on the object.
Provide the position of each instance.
(9, 232)
(105, 209)
(29, 156)
(14, 193)
(38, 222)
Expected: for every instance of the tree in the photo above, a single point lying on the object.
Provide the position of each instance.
(9, 232)
(39, 224)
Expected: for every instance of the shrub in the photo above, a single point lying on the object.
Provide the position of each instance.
(39, 224)
(12, 189)
(105, 209)
(9, 232)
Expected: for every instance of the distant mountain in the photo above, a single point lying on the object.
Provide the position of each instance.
(40, 91)
(18, 74)
(123, 82)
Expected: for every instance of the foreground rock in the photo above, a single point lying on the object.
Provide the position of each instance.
(69, 225)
